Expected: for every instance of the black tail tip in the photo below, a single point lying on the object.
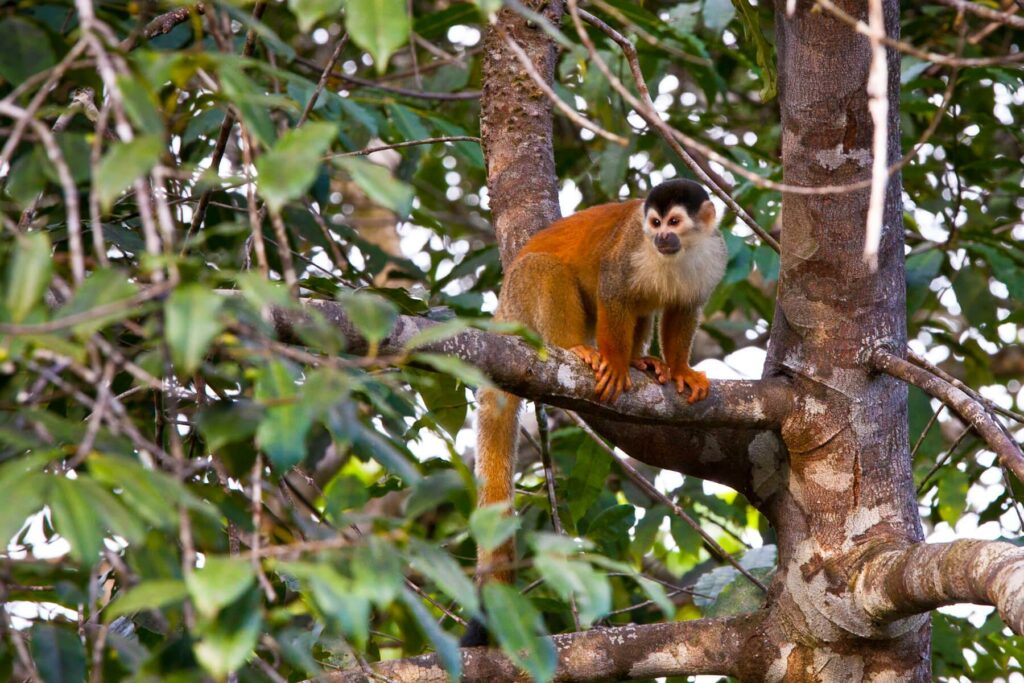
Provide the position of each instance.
(476, 634)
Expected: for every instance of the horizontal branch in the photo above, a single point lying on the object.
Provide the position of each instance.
(901, 582)
(565, 381)
(973, 412)
(680, 648)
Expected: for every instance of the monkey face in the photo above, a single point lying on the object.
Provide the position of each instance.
(676, 228)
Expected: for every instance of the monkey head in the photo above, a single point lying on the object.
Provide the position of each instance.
(677, 214)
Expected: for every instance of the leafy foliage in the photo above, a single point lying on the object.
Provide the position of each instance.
(220, 500)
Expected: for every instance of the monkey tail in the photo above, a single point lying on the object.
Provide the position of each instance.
(497, 440)
(496, 444)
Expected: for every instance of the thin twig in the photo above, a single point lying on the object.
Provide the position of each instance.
(1004, 18)
(549, 481)
(404, 143)
(927, 428)
(943, 459)
(331, 61)
(652, 491)
(909, 49)
(926, 364)
(972, 411)
(558, 102)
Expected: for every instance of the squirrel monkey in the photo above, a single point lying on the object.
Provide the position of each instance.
(601, 275)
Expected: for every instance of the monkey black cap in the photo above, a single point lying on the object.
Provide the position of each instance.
(680, 192)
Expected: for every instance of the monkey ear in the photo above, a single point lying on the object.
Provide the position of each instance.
(706, 217)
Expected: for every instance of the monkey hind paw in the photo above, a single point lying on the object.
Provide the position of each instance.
(476, 635)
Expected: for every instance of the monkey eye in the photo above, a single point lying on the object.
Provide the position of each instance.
(656, 222)
(673, 221)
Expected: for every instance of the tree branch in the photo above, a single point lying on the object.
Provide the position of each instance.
(900, 582)
(972, 411)
(679, 648)
(565, 381)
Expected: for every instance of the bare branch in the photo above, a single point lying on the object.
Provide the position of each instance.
(913, 50)
(565, 381)
(1005, 18)
(560, 105)
(680, 648)
(900, 582)
(973, 412)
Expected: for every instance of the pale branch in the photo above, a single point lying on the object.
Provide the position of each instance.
(1005, 18)
(973, 412)
(563, 380)
(899, 582)
(644, 651)
(907, 48)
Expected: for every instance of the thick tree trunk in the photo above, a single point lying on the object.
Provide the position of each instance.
(847, 489)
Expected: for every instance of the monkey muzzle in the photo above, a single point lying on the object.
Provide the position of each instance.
(667, 243)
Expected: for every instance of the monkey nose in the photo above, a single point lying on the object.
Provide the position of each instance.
(667, 242)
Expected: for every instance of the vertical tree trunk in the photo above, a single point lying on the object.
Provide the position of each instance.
(848, 488)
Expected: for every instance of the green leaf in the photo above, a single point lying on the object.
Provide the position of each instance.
(146, 595)
(77, 519)
(248, 96)
(223, 423)
(122, 164)
(221, 581)
(432, 334)
(20, 502)
(192, 315)
(27, 49)
(587, 479)
(378, 26)
(518, 626)
(378, 184)
(492, 525)
(573, 578)
(101, 288)
(308, 12)
(149, 494)
(58, 654)
(228, 641)
(1003, 267)
(446, 645)
(287, 170)
(377, 571)
(440, 568)
(282, 432)
(656, 594)
(27, 178)
(443, 395)
(952, 496)
(345, 492)
(456, 367)
(140, 104)
(372, 315)
(28, 274)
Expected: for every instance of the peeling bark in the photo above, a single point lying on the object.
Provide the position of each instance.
(634, 652)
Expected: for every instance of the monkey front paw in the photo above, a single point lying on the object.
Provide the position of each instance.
(611, 381)
(656, 365)
(697, 382)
